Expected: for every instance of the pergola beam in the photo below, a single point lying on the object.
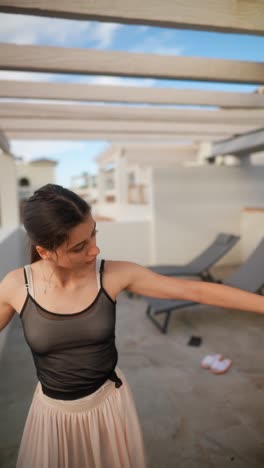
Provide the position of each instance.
(137, 126)
(4, 143)
(108, 136)
(241, 145)
(113, 113)
(128, 94)
(226, 16)
(100, 62)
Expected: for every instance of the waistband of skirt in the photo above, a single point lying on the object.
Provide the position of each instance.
(78, 405)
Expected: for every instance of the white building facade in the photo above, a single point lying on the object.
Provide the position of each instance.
(9, 208)
(125, 177)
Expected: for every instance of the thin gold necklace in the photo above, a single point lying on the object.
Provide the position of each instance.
(46, 283)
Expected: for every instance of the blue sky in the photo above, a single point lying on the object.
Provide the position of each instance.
(76, 157)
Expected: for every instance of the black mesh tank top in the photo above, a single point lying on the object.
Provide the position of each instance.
(74, 354)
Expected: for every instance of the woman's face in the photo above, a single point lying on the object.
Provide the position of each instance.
(80, 249)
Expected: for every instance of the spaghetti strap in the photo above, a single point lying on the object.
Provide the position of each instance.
(29, 280)
(26, 279)
(101, 273)
(98, 263)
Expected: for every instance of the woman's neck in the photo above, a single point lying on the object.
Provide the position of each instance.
(59, 277)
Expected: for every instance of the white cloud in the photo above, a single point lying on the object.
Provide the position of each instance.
(118, 81)
(81, 79)
(20, 29)
(163, 44)
(41, 101)
(27, 76)
(104, 33)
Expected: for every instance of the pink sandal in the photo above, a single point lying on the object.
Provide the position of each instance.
(221, 367)
(209, 360)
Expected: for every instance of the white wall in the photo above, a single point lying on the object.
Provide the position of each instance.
(9, 207)
(38, 173)
(159, 154)
(191, 205)
(128, 241)
(13, 254)
(252, 229)
(123, 211)
(14, 250)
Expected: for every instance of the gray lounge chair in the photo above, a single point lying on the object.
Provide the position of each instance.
(249, 277)
(201, 264)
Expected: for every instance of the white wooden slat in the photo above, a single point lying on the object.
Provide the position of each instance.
(51, 135)
(230, 16)
(101, 62)
(113, 113)
(128, 94)
(122, 126)
(240, 145)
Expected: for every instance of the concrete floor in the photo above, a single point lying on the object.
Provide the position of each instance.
(190, 417)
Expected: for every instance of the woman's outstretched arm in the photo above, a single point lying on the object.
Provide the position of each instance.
(142, 281)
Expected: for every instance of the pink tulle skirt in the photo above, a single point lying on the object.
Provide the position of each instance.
(101, 430)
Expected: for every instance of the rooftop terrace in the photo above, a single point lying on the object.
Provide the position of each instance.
(190, 417)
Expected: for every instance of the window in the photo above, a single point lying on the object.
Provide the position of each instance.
(24, 182)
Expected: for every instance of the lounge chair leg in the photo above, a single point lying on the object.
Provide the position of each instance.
(260, 291)
(166, 321)
(207, 276)
(162, 327)
(148, 311)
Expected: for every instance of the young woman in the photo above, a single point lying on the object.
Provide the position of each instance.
(82, 413)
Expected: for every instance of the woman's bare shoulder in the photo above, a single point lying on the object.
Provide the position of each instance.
(12, 282)
(123, 272)
(14, 277)
(120, 266)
